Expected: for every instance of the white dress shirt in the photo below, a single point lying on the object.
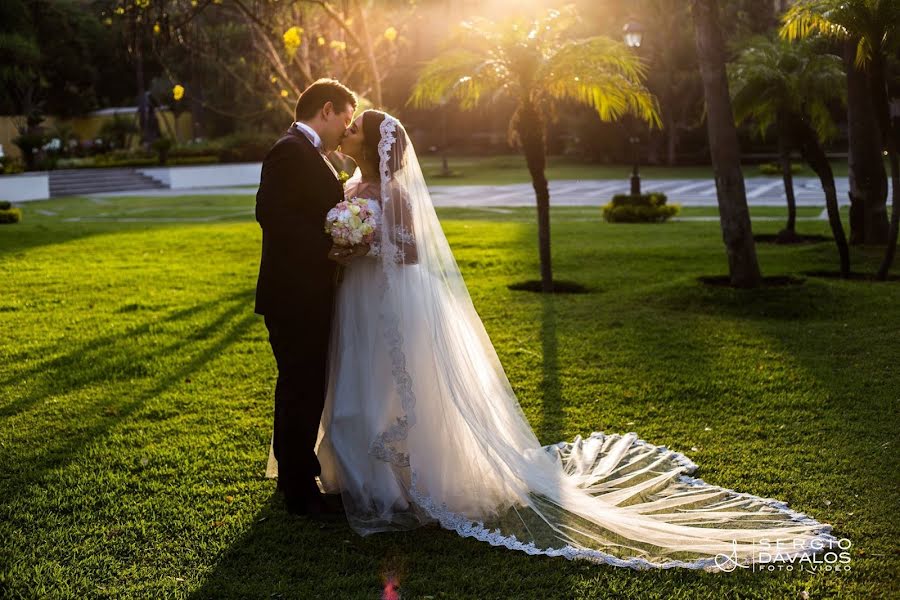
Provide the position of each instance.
(311, 134)
(316, 141)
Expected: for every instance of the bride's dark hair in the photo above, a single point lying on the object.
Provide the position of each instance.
(371, 126)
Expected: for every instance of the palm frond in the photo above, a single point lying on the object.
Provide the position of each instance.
(807, 18)
(600, 73)
(771, 78)
(874, 23)
(459, 75)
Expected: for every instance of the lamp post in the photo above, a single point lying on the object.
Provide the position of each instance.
(633, 32)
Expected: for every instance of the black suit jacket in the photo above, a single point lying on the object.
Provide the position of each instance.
(296, 190)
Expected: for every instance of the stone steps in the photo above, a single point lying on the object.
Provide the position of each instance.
(78, 182)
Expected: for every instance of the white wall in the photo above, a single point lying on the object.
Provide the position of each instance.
(36, 186)
(202, 176)
(25, 186)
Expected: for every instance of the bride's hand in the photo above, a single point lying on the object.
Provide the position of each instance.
(343, 254)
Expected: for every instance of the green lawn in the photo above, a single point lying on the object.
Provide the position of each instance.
(498, 170)
(136, 401)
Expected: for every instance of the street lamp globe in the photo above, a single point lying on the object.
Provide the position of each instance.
(633, 33)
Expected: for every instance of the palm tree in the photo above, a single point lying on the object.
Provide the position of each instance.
(790, 87)
(539, 65)
(873, 28)
(743, 267)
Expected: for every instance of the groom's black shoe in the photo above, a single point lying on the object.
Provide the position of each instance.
(311, 502)
(318, 506)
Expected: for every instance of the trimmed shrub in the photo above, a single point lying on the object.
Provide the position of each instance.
(775, 168)
(105, 161)
(8, 214)
(30, 144)
(162, 146)
(646, 208)
(11, 166)
(244, 147)
(194, 160)
(193, 149)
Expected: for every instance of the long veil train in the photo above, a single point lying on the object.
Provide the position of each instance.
(459, 446)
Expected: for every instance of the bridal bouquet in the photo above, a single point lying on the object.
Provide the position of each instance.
(351, 222)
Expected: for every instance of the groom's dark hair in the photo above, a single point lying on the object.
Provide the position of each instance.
(318, 93)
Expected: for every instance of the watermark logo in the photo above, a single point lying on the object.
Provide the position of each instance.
(779, 555)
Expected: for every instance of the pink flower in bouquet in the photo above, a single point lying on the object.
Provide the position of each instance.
(351, 222)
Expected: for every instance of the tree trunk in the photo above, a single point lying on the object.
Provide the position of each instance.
(670, 130)
(814, 154)
(895, 220)
(868, 180)
(196, 101)
(737, 233)
(371, 61)
(787, 175)
(530, 129)
(878, 79)
(143, 101)
(672, 147)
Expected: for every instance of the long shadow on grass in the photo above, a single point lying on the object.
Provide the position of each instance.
(28, 460)
(833, 393)
(279, 556)
(97, 361)
(552, 416)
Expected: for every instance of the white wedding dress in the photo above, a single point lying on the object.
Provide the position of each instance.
(421, 425)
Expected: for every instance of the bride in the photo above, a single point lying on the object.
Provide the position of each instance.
(421, 425)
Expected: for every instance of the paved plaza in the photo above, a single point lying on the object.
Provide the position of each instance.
(761, 191)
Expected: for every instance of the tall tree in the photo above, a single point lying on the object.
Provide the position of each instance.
(789, 87)
(869, 31)
(672, 75)
(743, 267)
(538, 63)
(874, 26)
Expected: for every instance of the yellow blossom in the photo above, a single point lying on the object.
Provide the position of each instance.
(142, 3)
(273, 79)
(338, 45)
(156, 28)
(107, 21)
(292, 39)
(320, 40)
(390, 34)
(284, 93)
(120, 11)
(178, 92)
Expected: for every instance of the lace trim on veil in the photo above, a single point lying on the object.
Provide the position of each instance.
(465, 527)
(387, 446)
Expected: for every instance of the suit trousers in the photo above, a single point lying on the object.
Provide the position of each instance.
(300, 346)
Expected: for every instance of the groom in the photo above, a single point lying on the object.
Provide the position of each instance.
(295, 290)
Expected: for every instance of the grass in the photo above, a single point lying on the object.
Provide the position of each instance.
(505, 169)
(136, 401)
